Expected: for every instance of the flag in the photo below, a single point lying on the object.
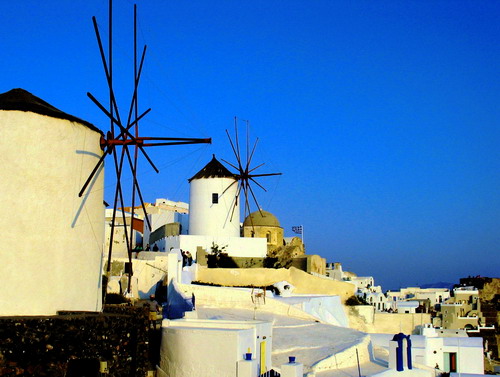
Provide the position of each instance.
(297, 229)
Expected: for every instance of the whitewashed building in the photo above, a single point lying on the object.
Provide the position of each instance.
(228, 342)
(436, 296)
(446, 354)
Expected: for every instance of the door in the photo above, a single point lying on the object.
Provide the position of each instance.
(450, 362)
(263, 366)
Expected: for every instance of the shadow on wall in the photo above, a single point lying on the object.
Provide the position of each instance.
(177, 303)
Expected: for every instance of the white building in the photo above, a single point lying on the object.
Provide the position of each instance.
(227, 342)
(407, 306)
(334, 271)
(46, 157)
(167, 218)
(435, 296)
(448, 354)
(375, 298)
(361, 282)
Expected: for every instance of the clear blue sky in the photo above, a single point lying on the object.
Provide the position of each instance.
(383, 116)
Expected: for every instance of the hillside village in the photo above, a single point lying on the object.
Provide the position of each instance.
(201, 293)
(201, 288)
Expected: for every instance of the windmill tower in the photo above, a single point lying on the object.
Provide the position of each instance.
(52, 241)
(214, 207)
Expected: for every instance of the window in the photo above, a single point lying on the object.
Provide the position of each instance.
(215, 198)
(268, 236)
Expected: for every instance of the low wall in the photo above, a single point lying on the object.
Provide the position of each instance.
(360, 317)
(234, 246)
(327, 309)
(303, 282)
(365, 318)
(346, 358)
(221, 297)
(393, 323)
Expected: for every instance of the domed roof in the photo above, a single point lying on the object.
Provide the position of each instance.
(261, 218)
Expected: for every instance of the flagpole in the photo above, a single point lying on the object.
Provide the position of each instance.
(303, 243)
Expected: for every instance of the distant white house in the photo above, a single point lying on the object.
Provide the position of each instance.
(362, 282)
(435, 296)
(447, 354)
(375, 298)
(407, 306)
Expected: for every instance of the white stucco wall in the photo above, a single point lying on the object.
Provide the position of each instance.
(203, 351)
(235, 246)
(52, 240)
(406, 373)
(262, 332)
(470, 357)
(208, 219)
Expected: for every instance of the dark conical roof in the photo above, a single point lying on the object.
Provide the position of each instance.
(22, 100)
(214, 169)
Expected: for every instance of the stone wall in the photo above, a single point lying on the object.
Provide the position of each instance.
(365, 318)
(54, 345)
(262, 277)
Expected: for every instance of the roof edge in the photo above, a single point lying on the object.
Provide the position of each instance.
(22, 100)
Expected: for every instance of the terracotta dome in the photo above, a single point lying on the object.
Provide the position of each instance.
(261, 218)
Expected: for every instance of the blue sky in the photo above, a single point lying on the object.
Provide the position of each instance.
(382, 116)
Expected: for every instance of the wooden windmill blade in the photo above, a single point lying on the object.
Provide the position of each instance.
(245, 176)
(126, 138)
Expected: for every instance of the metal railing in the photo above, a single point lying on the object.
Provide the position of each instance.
(270, 373)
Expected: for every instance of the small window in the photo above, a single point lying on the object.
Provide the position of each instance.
(215, 198)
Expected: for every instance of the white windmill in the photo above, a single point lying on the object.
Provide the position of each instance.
(52, 240)
(213, 195)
